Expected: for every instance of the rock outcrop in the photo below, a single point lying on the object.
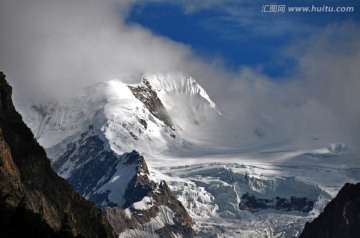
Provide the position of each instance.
(340, 218)
(26, 176)
(147, 95)
(253, 204)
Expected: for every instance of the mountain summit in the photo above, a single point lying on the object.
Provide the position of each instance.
(177, 83)
(185, 100)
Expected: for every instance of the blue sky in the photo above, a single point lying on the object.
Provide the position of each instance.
(238, 32)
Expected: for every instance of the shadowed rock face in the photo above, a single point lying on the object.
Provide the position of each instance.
(340, 218)
(91, 163)
(94, 166)
(25, 173)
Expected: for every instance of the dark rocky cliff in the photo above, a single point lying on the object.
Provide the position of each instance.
(341, 217)
(26, 175)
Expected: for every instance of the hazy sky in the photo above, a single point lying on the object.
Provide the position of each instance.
(287, 74)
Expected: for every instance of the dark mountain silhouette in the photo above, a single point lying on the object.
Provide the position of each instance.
(340, 218)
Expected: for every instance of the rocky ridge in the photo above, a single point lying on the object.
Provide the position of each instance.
(147, 95)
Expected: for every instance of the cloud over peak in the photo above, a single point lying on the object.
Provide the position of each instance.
(52, 48)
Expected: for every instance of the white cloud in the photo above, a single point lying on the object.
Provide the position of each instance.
(330, 67)
(321, 98)
(51, 48)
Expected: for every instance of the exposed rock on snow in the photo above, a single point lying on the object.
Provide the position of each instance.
(251, 203)
(148, 96)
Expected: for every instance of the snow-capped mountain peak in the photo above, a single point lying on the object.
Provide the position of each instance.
(274, 187)
(176, 83)
(150, 115)
(186, 102)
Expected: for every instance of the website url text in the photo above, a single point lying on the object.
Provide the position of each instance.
(313, 8)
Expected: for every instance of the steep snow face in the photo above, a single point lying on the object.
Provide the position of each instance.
(131, 125)
(188, 104)
(176, 83)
